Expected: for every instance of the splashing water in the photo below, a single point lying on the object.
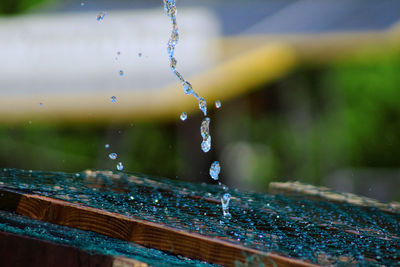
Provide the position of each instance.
(217, 104)
(101, 16)
(183, 116)
(113, 99)
(215, 170)
(120, 167)
(225, 204)
(113, 156)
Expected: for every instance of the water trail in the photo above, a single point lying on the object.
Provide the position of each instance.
(171, 10)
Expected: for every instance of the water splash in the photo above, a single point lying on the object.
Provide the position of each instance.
(120, 167)
(225, 204)
(217, 104)
(183, 116)
(113, 156)
(113, 99)
(215, 170)
(101, 16)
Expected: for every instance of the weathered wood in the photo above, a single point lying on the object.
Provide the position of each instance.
(17, 250)
(310, 191)
(191, 245)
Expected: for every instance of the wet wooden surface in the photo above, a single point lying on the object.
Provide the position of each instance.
(190, 245)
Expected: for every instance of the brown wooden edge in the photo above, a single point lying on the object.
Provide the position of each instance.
(310, 191)
(17, 250)
(191, 245)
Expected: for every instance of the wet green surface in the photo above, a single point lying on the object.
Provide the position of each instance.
(317, 231)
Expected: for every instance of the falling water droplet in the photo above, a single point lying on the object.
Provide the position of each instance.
(187, 87)
(118, 53)
(121, 73)
(206, 144)
(215, 170)
(82, 3)
(140, 54)
(113, 156)
(41, 104)
(203, 105)
(120, 167)
(113, 99)
(173, 63)
(205, 134)
(101, 16)
(225, 204)
(106, 145)
(183, 116)
(217, 104)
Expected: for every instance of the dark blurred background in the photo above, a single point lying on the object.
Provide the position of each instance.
(334, 123)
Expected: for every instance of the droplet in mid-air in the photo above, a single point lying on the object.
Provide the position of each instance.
(183, 116)
(113, 99)
(41, 104)
(113, 156)
(217, 104)
(118, 53)
(205, 128)
(225, 204)
(140, 54)
(101, 16)
(203, 105)
(120, 167)
(173, 62)
(121, 73)
(206, 144)
(215, 170)
(106, 145)
(187, 87)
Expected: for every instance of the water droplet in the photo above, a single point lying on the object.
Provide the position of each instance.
(170, 7)
(187, 87)
(205, 128)
(225, 204)
(173, 63)
(113, 99)
(183, 116)
(205, 134)
(106, 145)
(217, 104)
(118, 53)
(113, 156)
(203, 105)
(120, 167)
(121, 73)
(82, 4)
(41, 104)
(206, 144)
(214, 170)
(101, 16)
(140, 54)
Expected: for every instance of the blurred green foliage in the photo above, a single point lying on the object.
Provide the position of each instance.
(10, 7)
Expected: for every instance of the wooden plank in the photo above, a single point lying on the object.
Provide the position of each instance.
(310, 191)
(17, 250)
(191, 245)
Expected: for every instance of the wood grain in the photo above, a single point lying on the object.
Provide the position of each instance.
(17, 250)
(191, 245)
